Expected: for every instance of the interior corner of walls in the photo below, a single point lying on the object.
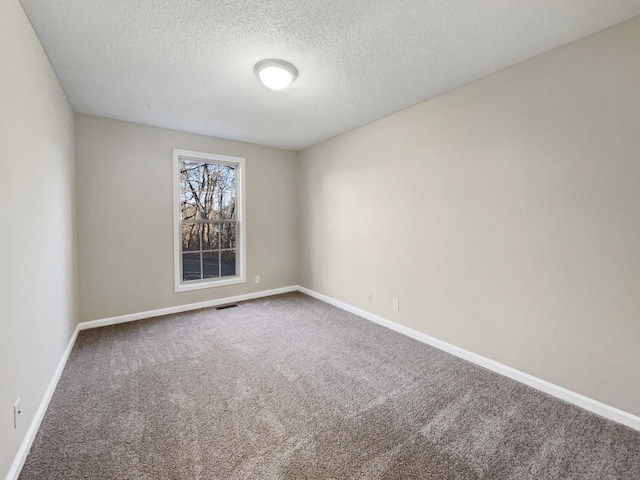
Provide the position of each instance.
(185, 307)
(43, 308)
(102, 146)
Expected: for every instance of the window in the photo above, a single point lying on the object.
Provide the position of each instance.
(209, 240)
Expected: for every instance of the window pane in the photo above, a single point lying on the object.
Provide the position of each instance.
(210, 265)
(210, 236)
(228, 262)
(190, 237)
(190, 266)
(228, 235)
(207, 191)
(226, 192)
(190, 202)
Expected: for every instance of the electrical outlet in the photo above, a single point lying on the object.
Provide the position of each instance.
(17, 413)
(396, 305)
(257, 278)
(370, 297)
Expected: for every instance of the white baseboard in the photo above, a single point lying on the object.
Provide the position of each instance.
(587, 403)
(182, 308)
(594, 406)
(25, 446)
(27, 441)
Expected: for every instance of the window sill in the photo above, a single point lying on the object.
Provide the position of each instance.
(187, 287)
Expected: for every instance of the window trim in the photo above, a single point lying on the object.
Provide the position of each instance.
(241, 258)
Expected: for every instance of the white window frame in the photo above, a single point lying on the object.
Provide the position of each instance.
(241, 253)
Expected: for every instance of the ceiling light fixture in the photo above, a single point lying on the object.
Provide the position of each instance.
(275, 74)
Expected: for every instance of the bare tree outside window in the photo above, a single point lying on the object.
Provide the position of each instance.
(208, 220)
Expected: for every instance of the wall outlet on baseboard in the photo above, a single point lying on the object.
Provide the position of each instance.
(17, 413)
(257, 278)
(396, 305)
(370, 297)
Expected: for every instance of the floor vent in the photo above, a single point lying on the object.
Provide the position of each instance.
(228, 305)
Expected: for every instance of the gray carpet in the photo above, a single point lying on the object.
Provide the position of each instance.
(288, 387)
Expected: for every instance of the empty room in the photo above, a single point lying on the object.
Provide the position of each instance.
(295, 239)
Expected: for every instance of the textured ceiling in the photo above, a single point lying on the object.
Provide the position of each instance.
(188, 64)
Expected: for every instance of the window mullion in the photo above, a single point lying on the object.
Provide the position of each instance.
(201, 256)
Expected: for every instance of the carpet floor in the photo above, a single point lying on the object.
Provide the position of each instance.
(288, 387)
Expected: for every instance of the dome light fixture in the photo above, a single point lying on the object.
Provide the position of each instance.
(275, 74)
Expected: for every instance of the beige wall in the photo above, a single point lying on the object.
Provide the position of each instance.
(125, 229)
(37, 280)
(505, 217)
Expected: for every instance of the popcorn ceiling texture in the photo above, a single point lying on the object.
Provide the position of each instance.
(188, 65)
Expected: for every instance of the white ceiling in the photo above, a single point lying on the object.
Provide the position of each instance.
(188, 64)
